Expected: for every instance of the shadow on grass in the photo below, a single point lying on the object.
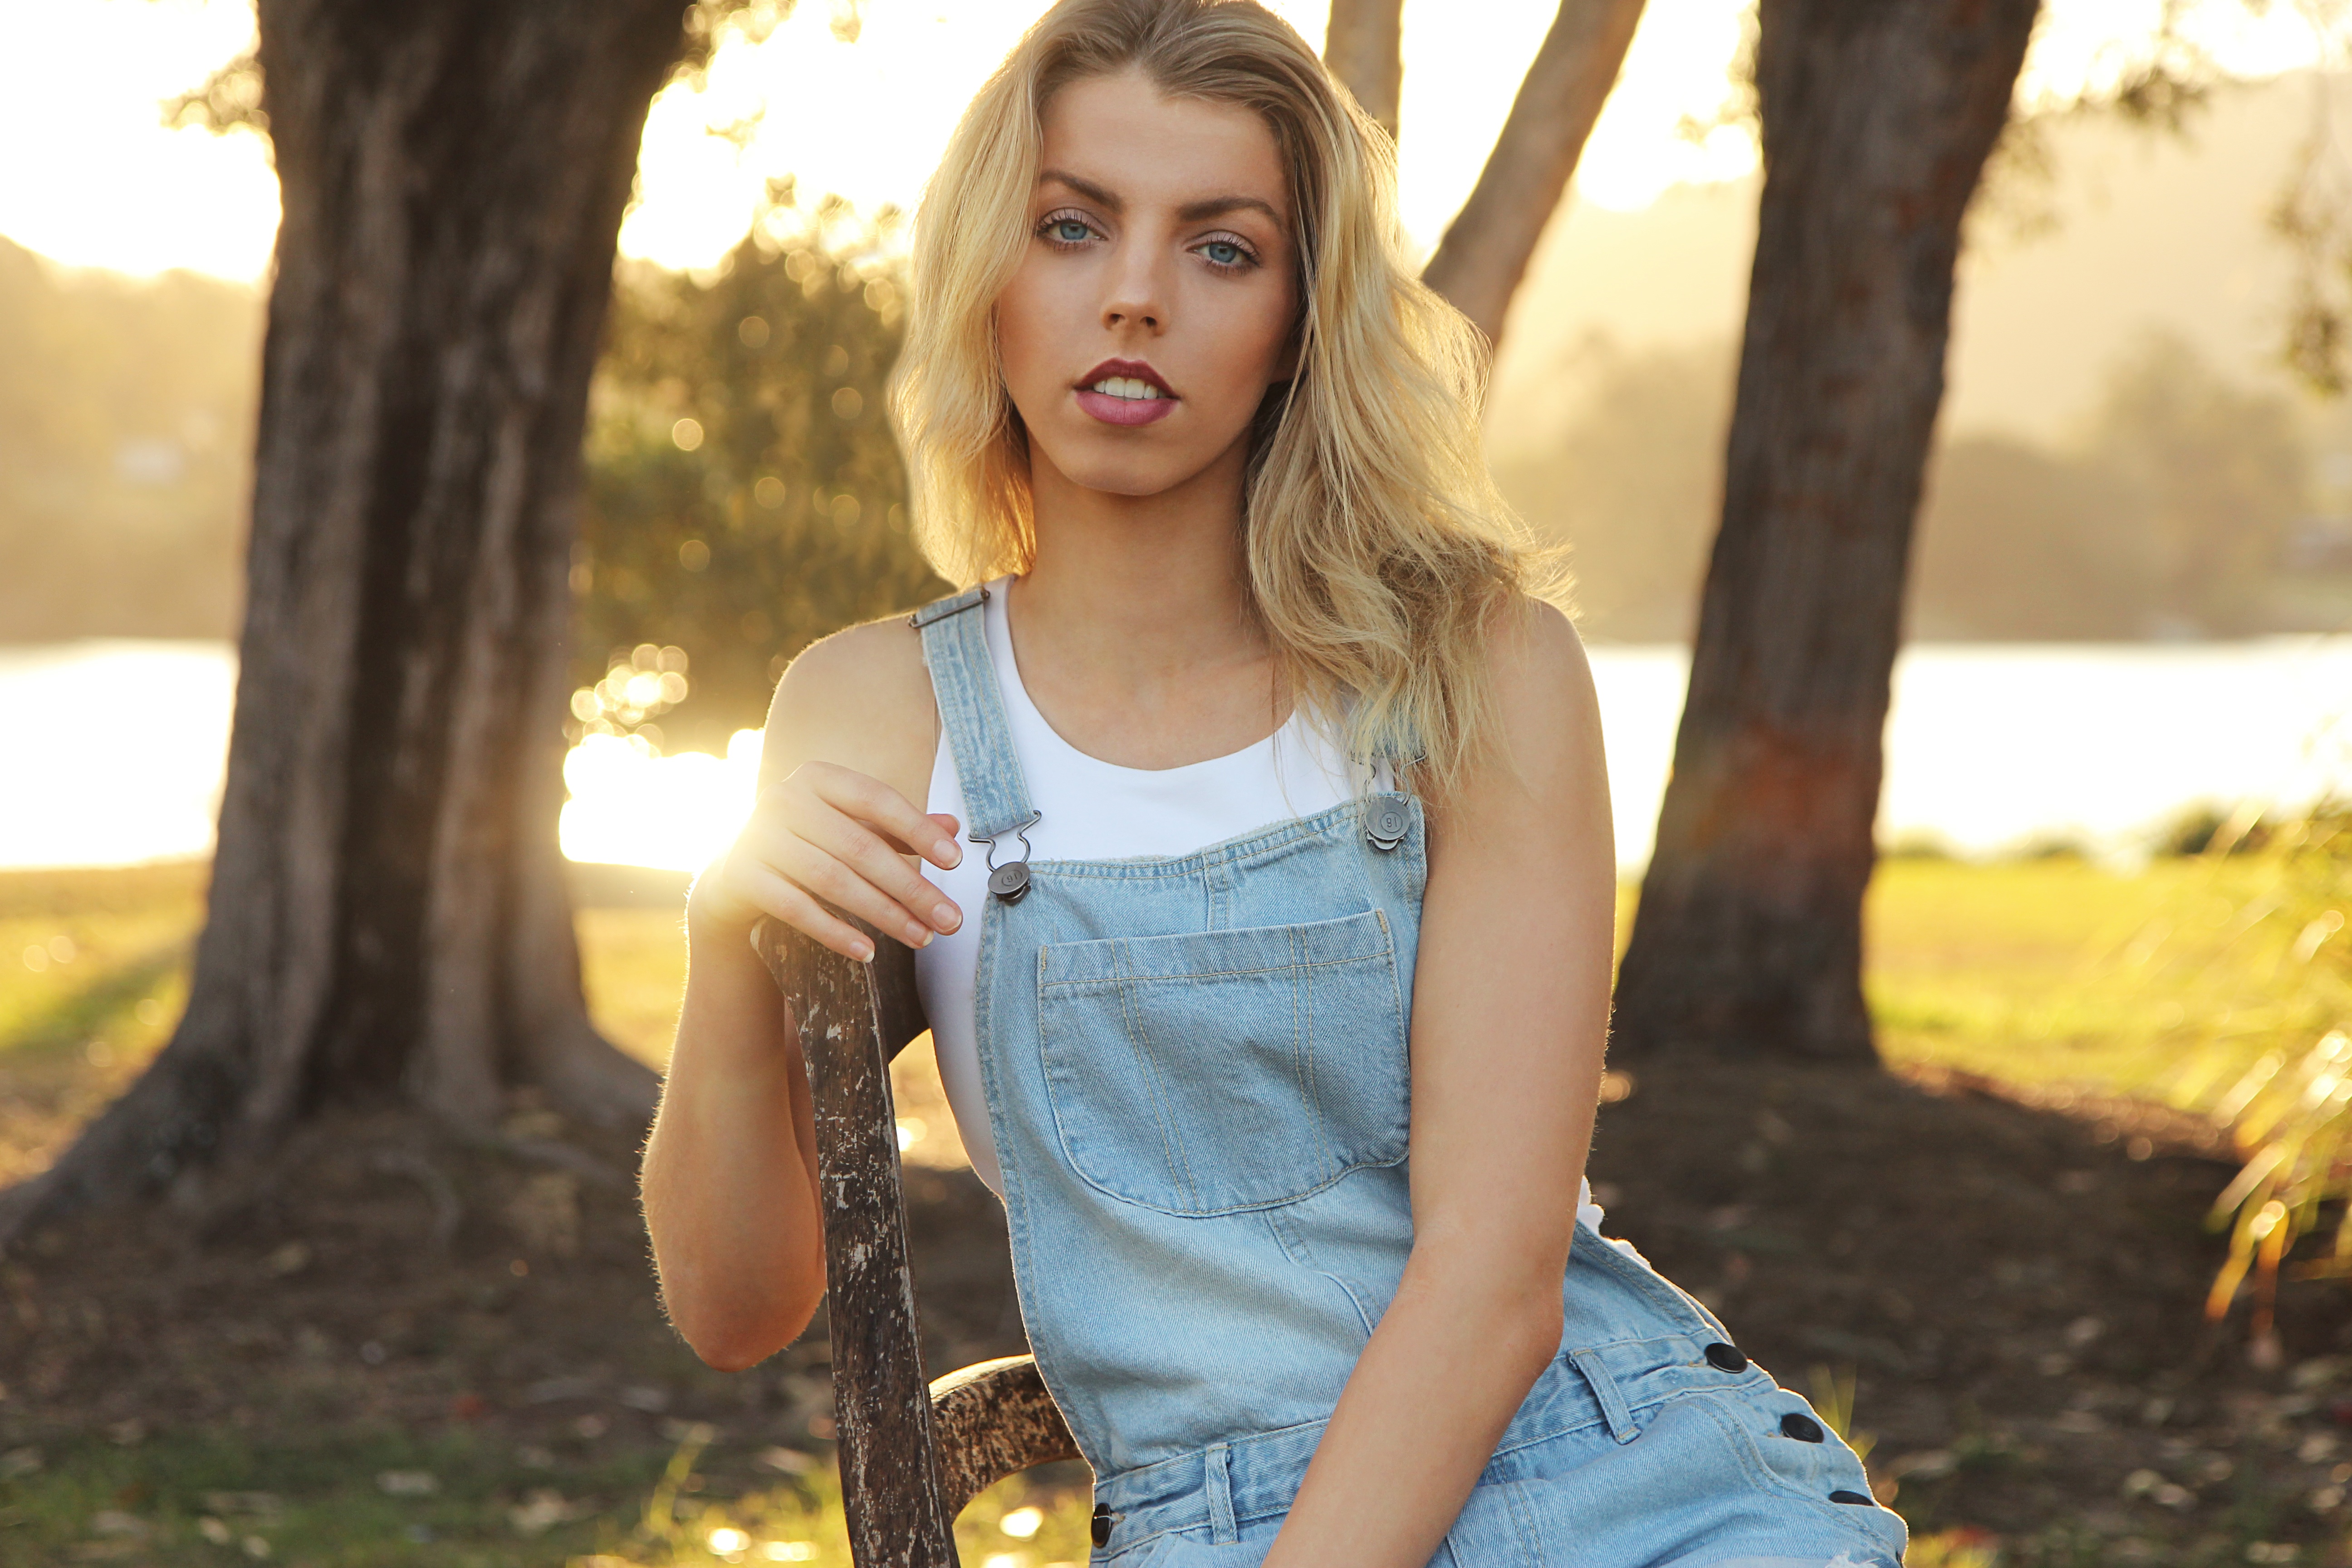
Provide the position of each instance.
(74, 1017)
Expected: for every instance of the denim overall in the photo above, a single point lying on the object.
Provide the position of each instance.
(1196, 1073)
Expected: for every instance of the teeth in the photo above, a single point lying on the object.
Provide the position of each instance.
(1124, 386)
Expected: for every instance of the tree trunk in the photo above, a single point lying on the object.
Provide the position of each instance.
(1877, 117)
(1486, 248)
(1363, 45)
(388, 915)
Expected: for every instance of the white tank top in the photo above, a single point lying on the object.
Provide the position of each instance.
(1092, 810)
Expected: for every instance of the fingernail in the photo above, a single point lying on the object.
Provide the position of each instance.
(917, 936)
(863, 951)
(947, 916)
(954, 854)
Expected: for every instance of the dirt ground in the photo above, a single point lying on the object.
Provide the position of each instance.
(2014, 1290)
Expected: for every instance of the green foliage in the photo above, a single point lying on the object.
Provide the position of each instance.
(745, 495)
(2290, 1111)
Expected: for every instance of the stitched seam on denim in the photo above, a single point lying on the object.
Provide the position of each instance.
(972, 712)
(1546, 1433)
(1239, 854)
(1179, 1168)
(1302, 1051)
(1294, 1248)
(1645, 1280)
(1217, 1481)
(1205, 975)
(1614, 1410)
(1178, 1151)
(1251, 1206)
(1515, 1502)
(1016, 1197)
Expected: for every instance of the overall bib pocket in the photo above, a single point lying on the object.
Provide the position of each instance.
(1212, 1071)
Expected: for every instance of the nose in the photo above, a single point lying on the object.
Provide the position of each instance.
(1135, 297)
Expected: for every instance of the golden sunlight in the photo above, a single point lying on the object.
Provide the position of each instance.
(863, 111)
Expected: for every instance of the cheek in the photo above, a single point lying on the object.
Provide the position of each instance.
(1026, 325)
(1257, 333)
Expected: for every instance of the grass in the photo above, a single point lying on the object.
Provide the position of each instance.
(2053, 971)
(2041, 971)
(390, 1500)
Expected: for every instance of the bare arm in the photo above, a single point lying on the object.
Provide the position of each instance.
(730, 1176)
(1509, 1017)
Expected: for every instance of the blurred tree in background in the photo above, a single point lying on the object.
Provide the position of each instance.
(745, 495)
(1630, 481)
(2218, 475)
(2170, 509)
(126, 449)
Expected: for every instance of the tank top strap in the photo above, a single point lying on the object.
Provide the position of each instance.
(971, 714)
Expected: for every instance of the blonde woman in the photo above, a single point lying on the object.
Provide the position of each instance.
(1271, 990)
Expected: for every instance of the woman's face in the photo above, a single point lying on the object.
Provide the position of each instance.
(1156, 300)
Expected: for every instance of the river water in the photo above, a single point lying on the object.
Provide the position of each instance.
(111, 750)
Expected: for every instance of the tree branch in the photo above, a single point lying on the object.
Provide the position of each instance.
(1486, 251)
(1363, 47)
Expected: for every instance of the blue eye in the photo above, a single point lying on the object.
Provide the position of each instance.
(1069, 231)
(1224, 253)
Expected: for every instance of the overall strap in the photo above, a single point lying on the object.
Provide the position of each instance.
(971, 714)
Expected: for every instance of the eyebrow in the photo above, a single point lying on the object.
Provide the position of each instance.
(1190, 212)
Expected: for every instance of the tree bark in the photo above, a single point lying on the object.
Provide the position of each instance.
(1877, 118)
(1486, 251)
(1363, 45)
(388, 916)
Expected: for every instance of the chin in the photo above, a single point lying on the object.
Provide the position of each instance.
(1120, 473)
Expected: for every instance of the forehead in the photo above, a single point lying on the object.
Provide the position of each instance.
(1124, 133)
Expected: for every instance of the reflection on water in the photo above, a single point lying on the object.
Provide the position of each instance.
(633, 808)
(113, 749)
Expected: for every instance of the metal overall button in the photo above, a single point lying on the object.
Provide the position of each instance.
(1009, 881)
(1386, 823)
(1803, 1428)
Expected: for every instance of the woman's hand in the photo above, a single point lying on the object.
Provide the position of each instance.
(827, 835)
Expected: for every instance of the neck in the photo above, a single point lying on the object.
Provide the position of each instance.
(1140, 589)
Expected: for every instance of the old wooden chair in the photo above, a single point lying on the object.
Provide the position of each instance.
(910, 1457)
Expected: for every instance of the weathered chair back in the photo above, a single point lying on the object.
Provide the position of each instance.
(910, 1456)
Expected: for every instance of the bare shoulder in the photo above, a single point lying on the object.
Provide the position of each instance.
(860, 699)
(1541, 673)
(1547, 752)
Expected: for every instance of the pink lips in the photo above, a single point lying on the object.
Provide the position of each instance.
(1112, 410)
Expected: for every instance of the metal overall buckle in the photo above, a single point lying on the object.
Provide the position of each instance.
(1010, 880)
(1385, 824)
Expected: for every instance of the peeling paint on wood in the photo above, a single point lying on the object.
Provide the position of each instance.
(910, 1456)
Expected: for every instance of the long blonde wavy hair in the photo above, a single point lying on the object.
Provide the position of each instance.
(1379, 552)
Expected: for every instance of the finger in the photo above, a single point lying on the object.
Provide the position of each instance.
(777, 896)
(872, 857)
(814, 871)
(879, 806)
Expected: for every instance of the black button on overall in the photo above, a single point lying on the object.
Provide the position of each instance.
(1725, 1358)
(1100, 1527)
(1803, 1428)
